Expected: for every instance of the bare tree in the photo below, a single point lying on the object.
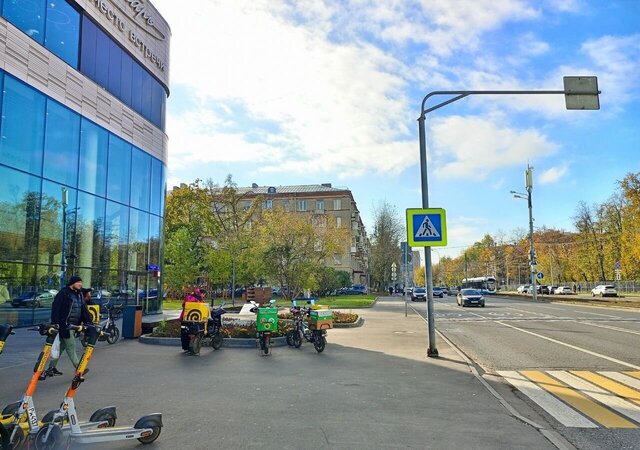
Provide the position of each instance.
(385, 244)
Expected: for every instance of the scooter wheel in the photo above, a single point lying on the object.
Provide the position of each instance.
(113, 336)
(195, 344)
(290, 338)
(48, 437)
(12, 436)
(106, 417)
(216, 341)
(296, 339)
(319, 343)
(152, 437)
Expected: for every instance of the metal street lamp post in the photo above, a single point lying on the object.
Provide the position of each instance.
(528, 177)
(579, 92)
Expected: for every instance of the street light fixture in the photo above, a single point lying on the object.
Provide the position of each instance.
(580, 93)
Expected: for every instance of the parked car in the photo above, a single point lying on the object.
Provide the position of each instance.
(604, 290)
(34, 299)
(468, 297)
(356, 289)
(563, 290)
(552, 289)
(522, 289)
(544, 289)
(419, 294)
(408, 290)
(438, 292)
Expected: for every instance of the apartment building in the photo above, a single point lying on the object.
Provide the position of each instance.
(337, 205)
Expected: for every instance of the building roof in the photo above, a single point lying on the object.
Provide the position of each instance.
(295, 189)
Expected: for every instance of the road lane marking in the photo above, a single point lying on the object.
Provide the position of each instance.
(610, 385)
(596, 314)
(579, 401)
(608, 327)
(597, 393)
(574, 347)
(559, 410)
(634, 374)
(622, 378)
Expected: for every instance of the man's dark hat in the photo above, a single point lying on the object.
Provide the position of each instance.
(74, 279)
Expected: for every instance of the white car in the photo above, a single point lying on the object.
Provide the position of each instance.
(604, 290)
(563, 290)
(523, 289)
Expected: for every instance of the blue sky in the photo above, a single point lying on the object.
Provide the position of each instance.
(304, 92)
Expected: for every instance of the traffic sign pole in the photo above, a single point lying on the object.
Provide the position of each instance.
(432, 351)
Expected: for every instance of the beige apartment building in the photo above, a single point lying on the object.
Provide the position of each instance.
(337, 205)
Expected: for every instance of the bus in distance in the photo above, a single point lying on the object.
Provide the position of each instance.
(485, 284)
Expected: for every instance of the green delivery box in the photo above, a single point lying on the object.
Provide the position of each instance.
(321, 319)
(267, 319)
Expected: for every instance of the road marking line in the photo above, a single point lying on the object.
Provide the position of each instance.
(619, 389)
(589, 352)
(579, 401)
(622, 378)
(567, 416)
(596, 314)
(633, 374)
(609, 327)
(601, 395)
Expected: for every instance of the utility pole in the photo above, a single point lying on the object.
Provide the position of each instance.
(534, 280)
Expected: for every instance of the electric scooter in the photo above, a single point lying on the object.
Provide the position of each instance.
(50, 436)
(266, 322)
(20, 418)
(5, 332)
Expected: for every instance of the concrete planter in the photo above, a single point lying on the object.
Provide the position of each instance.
(228, 342)
(357, 323)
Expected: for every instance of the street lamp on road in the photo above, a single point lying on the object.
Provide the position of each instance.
(528, 179)
(579, 92)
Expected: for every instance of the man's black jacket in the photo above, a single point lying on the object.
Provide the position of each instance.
(61, 310)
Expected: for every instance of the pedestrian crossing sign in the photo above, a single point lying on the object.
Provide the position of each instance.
(426, 227)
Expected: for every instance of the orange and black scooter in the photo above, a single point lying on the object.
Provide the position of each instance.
(5, 332)
(50, 436)
(20, 418)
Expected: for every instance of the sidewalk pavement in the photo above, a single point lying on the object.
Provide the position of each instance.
(372, 388)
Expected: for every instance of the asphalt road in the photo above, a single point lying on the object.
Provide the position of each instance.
(555, 360)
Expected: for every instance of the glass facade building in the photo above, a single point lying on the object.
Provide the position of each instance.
(79, 195)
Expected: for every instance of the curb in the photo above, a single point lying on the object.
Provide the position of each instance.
(356, 324)
(228, 342)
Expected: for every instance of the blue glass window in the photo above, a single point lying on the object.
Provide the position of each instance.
(22, 129)
(155, 234)
(125, 87)
(51, 223)
(94, 146)
(136, 87)
(28, 16)
(138, 240)
(103, 47)
(157, 192)
(119, 170)
(62, 34)
(140, 179)
(114, 68)
(61, 144)
(88, 48)
(116, 235)
(19, 212)
(89, 236)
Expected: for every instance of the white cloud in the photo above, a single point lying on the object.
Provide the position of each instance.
(553, 174)
(474, 147)
(530, 45)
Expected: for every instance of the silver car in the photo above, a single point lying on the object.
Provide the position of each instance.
(467, 297)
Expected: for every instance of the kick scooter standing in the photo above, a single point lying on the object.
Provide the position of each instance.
(5, 332)
(50, 436)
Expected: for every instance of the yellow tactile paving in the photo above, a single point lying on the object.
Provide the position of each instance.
(610, 385)
(578, 401)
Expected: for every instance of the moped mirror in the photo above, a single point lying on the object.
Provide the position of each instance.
(272, 302)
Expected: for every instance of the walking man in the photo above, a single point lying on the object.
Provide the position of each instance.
(68, 308)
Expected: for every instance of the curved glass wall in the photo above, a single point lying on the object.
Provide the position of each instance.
(110, 227)
(77, 40)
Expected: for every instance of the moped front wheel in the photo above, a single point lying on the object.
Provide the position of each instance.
(319, 342)
(113, 336)
(195, 344)
(290, 338)
(296, 339)
(267, 344)
(216, 341)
